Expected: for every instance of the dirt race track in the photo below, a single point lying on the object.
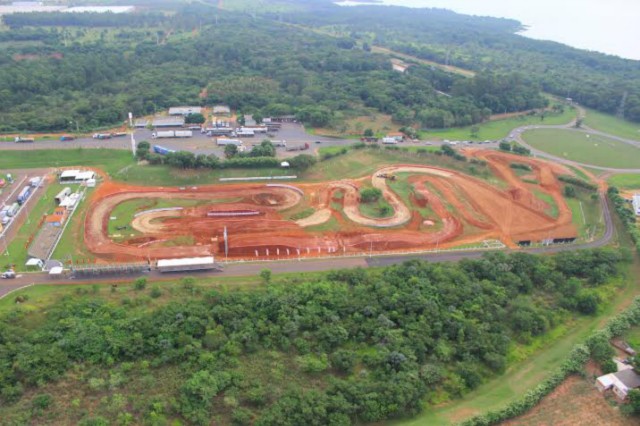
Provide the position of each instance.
(445, 209)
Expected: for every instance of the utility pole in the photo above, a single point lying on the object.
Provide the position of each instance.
(133, 144)
(621, 107)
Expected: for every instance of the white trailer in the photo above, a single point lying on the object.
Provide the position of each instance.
(224, 142)
(163, 134)
(244, 133)
(389, 141)
(188, 264)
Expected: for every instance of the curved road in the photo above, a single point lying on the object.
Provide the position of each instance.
(292, 266)
(517, 135)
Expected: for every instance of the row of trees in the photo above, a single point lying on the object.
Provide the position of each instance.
(368, 345)
(261, 156)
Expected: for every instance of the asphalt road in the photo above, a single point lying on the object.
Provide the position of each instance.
(516, 134)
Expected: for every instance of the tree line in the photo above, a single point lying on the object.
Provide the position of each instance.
(91, 83)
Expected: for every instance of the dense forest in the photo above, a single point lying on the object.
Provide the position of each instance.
(89, 70)
(599, 81)
(351, 346)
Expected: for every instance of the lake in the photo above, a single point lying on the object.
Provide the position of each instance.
(611, 26)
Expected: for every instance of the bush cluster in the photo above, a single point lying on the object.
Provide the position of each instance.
(626, 215)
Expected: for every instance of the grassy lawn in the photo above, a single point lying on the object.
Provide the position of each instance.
(353, 127)
(492, 130)
(124, 212)
(576, 146)
(586, 214)
(625, 180)
(72, 241)
(376, 209)
(612, 125)
(110, 160)
(552, 210)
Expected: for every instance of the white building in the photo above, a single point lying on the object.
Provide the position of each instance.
(620, 383)
(636, 204)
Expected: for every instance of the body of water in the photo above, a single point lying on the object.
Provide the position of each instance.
(611, 26)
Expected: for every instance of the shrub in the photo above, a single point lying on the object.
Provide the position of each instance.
(42, 401)
(156, 292)
(369, 195)
(140, 283)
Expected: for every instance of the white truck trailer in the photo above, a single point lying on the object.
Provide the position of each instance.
(188, 264)
(172, 134)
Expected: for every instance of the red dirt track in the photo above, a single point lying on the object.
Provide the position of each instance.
(457, 209)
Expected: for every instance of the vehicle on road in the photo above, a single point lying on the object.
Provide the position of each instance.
(10, 274)
(20, 139)
(66, 138)
(318, 141)
(102, 135)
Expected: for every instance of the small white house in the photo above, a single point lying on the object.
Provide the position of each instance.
(636, 204)
(620, 383)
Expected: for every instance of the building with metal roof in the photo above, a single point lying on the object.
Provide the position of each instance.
(176, 121)
(185, 110)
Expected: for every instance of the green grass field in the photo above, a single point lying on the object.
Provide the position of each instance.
(110, 160)
(625, 181)
(612, 125)
(499, 129)
(552, 209)
(576, 146)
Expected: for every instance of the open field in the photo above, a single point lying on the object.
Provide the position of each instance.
(381, 124)
(583, 148)
(498, 129)
(575, 402)
(625, 181)
(612, 125)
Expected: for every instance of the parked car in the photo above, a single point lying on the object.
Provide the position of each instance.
(10, 274)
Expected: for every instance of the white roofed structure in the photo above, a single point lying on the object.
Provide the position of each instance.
(185, 110)
(636, 204)
(186, 264)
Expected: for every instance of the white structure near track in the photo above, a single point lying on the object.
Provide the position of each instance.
(636, 204)
(187, 264)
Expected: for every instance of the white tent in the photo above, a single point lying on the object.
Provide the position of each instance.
(56, 270)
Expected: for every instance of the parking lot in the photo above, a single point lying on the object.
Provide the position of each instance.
(293, 133)
(8, 197)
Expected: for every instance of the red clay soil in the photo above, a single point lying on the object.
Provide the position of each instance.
(470, 210)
